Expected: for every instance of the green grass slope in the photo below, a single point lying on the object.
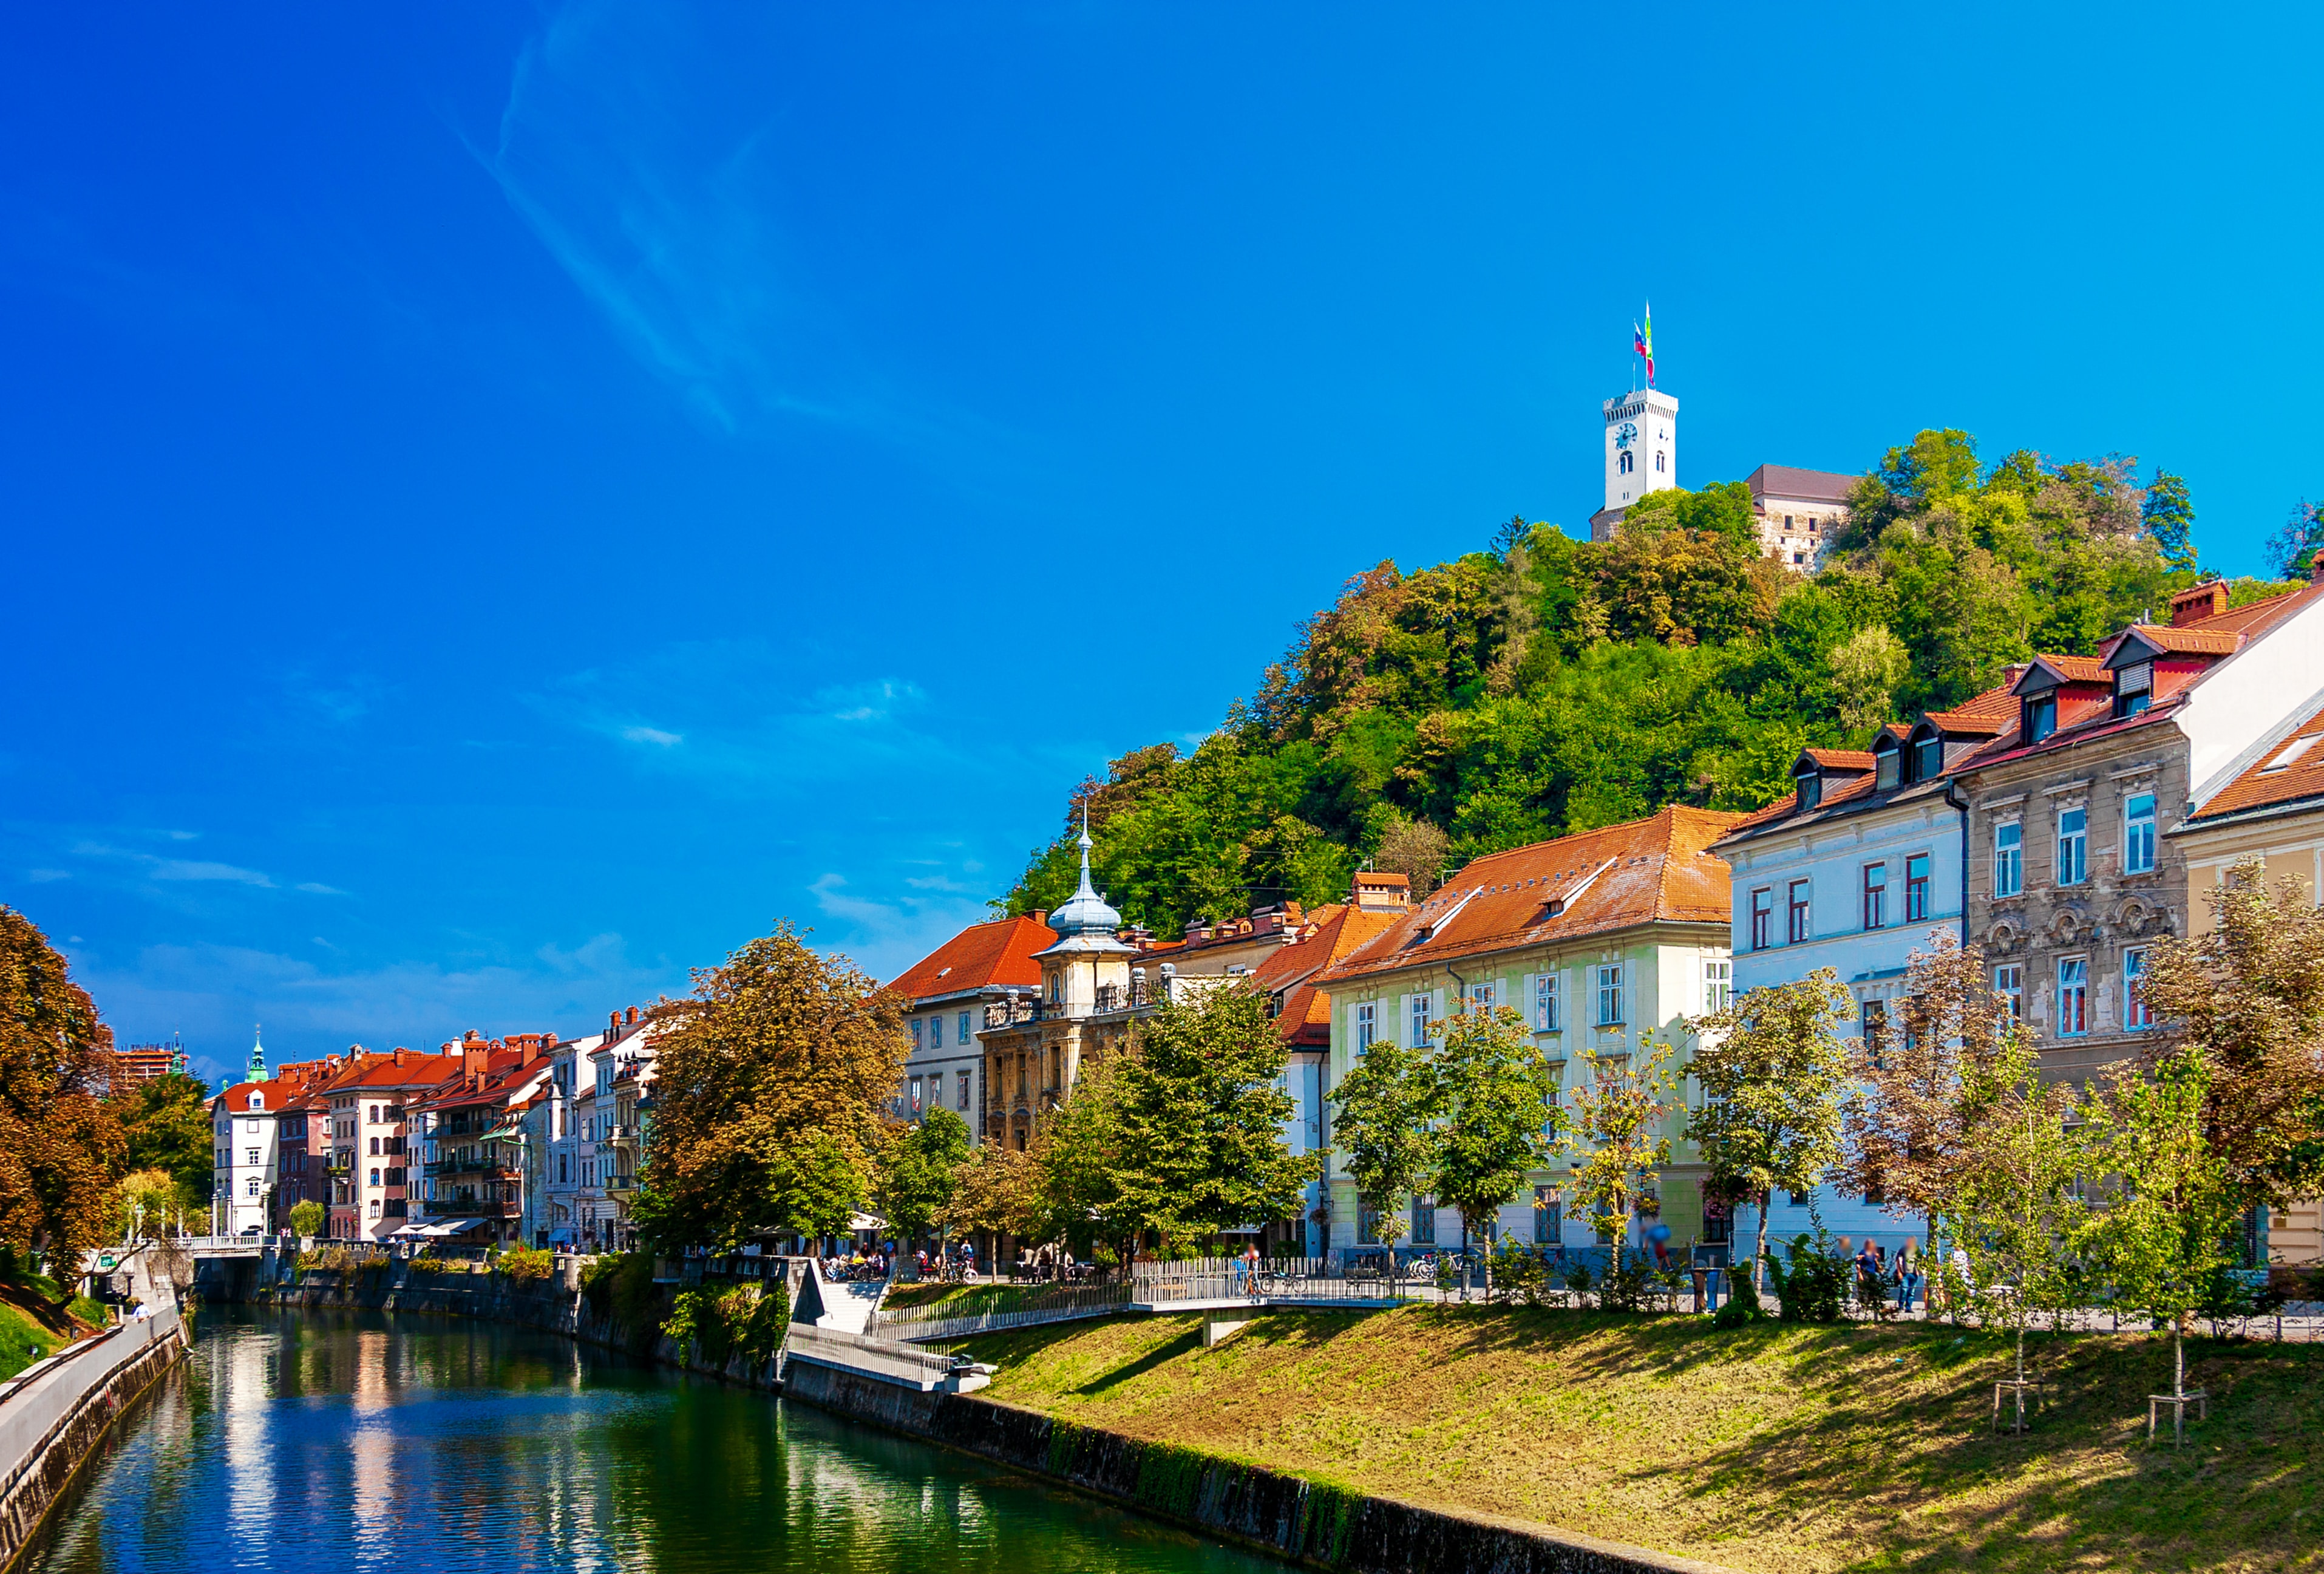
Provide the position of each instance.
(1772, 1448)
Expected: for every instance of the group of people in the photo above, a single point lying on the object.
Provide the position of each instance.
(840, 1266)
(1885, 1277)
(955, 1263)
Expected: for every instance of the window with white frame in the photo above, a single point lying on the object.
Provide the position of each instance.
(2073, 997)
(1481, 997)
(2138, 834)
(961, 1088)
(2009, 982)
(2009, 858)
(1423, 1221)
(963, 1036)
(1609, 995)
(916, 1035)
(1420, 1015)
(2137, 1013)
(935, 1033)
(1544, 1003)
(1717, 984)
(1366, 1025)
(2073, 846)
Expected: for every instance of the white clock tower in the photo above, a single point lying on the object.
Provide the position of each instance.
(1641, 453)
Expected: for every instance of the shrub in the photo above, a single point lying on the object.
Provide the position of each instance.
(621, 1287)
(424, 1263)
(526, 1263)
(1814, 1285)
(720, 1324)
(1741, 1305)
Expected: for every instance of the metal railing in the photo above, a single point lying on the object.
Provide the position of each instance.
(1003, 1309)
(847, 1349)
(1270, 1279)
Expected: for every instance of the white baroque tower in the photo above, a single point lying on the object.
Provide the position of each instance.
(1641, 453)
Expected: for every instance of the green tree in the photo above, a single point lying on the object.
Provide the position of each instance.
(61, 1140)
(921, 1173)
(1771, 1066)
(1498, 1118)
(1078, 1156)
(1866, 671)
(167, 1122)
(1203, 1111)
(307, 1218)
(1383, 1132)
(768, 1097)
(2169, 517)
(2015, 1207)
(2291, 551)
(1618, 1121)
(146, 1203)
(2249, 993)
(2161, 1239)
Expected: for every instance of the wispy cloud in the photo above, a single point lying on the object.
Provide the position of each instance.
(317, 888)
(42, 876)
(188, 871)
(652, 735)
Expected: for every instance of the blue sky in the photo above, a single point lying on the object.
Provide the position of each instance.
(503, 504)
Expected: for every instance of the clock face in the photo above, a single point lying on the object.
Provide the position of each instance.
(1626, 434)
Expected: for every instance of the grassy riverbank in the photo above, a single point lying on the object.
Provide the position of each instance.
(1770, 1449)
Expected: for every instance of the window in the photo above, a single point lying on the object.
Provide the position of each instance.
(2136, 1012)
(1916, 888)
(1886, 758)
(962, 1037)
(1419, 1022)
(375, 1147)
(1057, 988)
(1928, 759)
(2073, 997)
(916, 1094)
(374, 1207)
(2133, 688)
(2138, 834)
(1763, 914)
(254, 1156)
(1658, 462)
(962, 1101)
(1797, 923)
(1808, 784)
(2073, 846)
(1544, 1004)
(1548, 1223)
(2041, 717)
(1481, 998)
(1622, 462)
(1366, 1026)
(1609, 995)
(1876, 895)
(2009, 858)
(1717, 984)
(374, 1177)
(1367, 1225)
(1423, 1221)
(250, 1186)
(1875, 1017)
(935, 1033)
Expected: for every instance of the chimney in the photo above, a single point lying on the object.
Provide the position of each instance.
(1040, 915)
(2199, 604)
(632, 1018)
(399, 1055)
(474, 1053)
(612, 1024)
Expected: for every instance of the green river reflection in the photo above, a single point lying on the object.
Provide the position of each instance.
(315, 1441)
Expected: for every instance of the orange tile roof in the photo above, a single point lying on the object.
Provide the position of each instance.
(1655, 870)
(2293, 771)
(1340, 932)
(2074, 669)
(1000, 953)
(1841, 759)
(374, 1070)
(1990, 712)
(2202, 639)
(2258, 616)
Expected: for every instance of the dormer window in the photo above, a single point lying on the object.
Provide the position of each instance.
(2041, 717)
(1810, 785)
(1929, 759)
(2133, 688)
(1888, 763)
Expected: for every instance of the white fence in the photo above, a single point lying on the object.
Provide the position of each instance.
(1275, 1279)
(1062, 1305)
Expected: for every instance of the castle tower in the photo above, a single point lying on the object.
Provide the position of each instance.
(257, 1059)
(1641, 453)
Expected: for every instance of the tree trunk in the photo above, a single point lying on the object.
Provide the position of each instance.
(1759, 1254)
(2178, 1365)
(1489, 1272)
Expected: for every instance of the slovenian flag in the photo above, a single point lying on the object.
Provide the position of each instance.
(1643, 339)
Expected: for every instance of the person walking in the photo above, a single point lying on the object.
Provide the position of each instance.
(1249, 1266)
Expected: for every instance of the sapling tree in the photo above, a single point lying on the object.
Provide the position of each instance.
(1383, 1133)
(1498, 1118)
(1771, 1068)
(2016, 1207)
(1619, 1118)
(2161, 1241)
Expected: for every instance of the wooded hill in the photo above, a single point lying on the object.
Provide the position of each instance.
(1545, 685)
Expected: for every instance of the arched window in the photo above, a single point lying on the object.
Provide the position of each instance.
(374, 1177)
(250, 1186)
(1623, 463)
(1658, 464)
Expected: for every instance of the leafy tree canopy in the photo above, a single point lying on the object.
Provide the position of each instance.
(61, 1140)
(167, 1121)
(1550, 685)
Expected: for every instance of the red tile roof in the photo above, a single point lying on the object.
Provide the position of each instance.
(982, 954)
(1841, 759)
(1656, 870)
(2290, 772)
(2072, 669)
(1306, 1018)
(1989, 713)
(2205, 639)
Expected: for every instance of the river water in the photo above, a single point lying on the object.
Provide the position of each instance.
(314, 1441)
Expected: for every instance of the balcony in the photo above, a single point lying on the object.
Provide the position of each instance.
(620, 1185)
(472, 1208)
(620, 1135)
(480, 1168)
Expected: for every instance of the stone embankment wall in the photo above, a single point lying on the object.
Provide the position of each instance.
(556, 1304)
(1320, 1526)
(53, 1415)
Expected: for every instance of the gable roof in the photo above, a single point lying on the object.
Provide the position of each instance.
(1305, 1017)
(1647, 871)
(998, 953)
(2288, 776)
